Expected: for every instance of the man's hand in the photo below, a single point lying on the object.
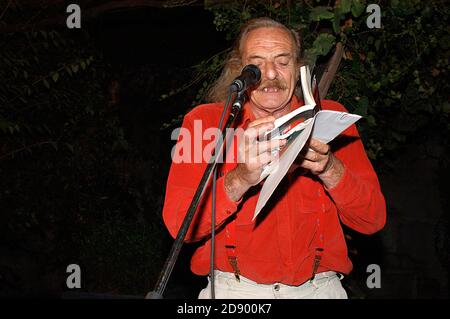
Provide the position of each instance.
(252, 157)
(321, 162)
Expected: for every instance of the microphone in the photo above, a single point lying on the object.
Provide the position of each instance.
(250, 76)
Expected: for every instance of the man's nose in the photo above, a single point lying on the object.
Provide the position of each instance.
(270, 72)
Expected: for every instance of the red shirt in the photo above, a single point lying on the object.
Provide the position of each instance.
(279, 247)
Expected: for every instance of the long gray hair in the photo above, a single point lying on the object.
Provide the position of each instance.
(233, 63)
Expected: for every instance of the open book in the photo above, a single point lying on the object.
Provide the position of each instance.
(322, 125)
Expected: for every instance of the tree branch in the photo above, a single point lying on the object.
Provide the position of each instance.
(6, 8)
(330, 70)
(26, 147)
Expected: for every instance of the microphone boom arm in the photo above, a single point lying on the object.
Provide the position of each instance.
(169, 264)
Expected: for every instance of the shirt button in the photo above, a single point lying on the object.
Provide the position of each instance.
(276, 287)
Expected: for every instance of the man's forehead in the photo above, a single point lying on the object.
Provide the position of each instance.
(267, 38)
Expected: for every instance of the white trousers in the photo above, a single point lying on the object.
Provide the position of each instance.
(326, 285)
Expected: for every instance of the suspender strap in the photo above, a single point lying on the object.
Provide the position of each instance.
(317, 259)
(320, 237)
(230, 245)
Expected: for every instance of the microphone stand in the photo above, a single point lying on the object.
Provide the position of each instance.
(160, 286)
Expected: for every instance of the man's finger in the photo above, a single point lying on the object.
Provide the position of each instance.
(318, 146)
(313, 156)
(269, 146)
(252, 133)
(267, 119)
(265, 158)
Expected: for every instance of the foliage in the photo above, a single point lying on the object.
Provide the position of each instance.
(121, 255)
(393, 76)
(71, 187)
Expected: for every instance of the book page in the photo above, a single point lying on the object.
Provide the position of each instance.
(282, 125)
(280, 167)
(305, 79)
(325, 126)
(329, 124)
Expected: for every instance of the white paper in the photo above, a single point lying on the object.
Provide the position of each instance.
(325, 126)
(305, 79)
(329, 124)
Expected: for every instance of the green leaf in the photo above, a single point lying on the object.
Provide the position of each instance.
(70, 147)
(337, 24)
(74, 68)
(399, 137)
(4, 125)
(358, 7)
(375, 86)
(54, 145)
(46, 84)
(321, 13)
(362, 107)
(344, 6)
(371, 120)
(55, 76)
(310, 56)
(44, 34)
(395, 3)
(69, 71)
(446, 107)
(323, 43)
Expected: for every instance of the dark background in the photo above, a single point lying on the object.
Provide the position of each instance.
(89, 188)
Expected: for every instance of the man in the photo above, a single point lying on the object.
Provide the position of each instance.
(296, 247)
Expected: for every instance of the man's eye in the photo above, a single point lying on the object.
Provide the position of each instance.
(256, 61)
(283, 62)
